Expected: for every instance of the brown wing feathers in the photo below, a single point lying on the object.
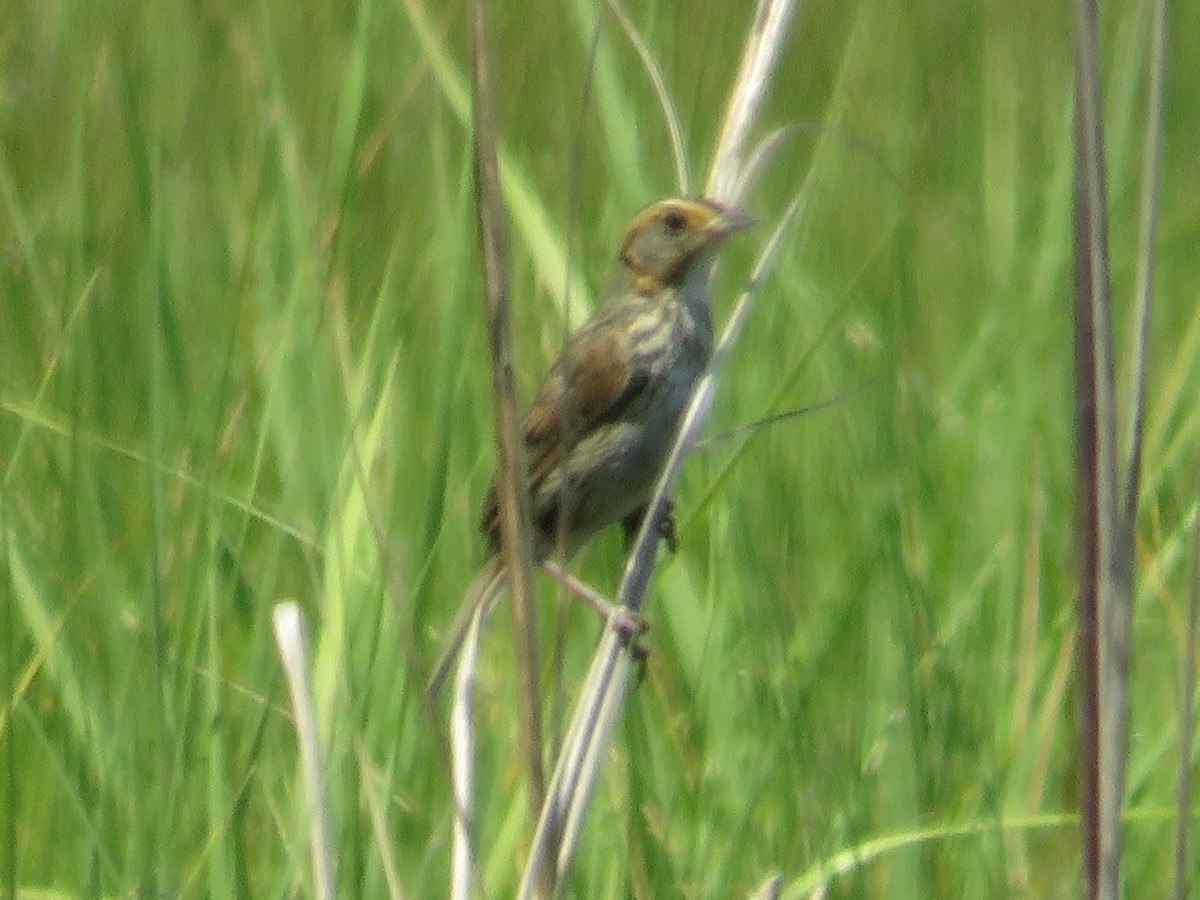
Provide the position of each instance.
(592, 383)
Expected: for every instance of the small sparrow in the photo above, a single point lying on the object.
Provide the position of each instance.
(603, 421)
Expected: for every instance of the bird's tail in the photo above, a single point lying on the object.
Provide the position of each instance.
(483, 590)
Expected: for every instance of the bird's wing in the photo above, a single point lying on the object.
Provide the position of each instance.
(592, 383)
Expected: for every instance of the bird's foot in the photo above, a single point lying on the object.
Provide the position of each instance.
(632, 627)
(632, 524)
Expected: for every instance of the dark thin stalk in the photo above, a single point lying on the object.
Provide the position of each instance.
(1103, 539)
(512, 498)
(1086, 549)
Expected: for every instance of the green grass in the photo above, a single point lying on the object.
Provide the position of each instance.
(243, 361)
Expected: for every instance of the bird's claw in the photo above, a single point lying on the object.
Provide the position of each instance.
(632, 627)
(632, 524)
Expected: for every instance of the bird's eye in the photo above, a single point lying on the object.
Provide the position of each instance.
(674, 220)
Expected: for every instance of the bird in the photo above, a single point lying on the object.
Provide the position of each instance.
(601, 425)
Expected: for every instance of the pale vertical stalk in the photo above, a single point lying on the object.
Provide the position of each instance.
(288, 625)
(604, 690)
(462, 766)
(771, 19)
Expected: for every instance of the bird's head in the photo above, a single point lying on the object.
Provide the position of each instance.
(668, 238)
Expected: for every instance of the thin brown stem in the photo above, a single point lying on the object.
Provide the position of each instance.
(516, 543)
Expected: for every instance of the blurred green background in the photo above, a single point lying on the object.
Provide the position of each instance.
(243, 361)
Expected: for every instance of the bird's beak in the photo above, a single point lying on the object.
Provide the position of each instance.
(729, 220)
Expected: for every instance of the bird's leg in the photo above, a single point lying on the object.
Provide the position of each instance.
(630, 625)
